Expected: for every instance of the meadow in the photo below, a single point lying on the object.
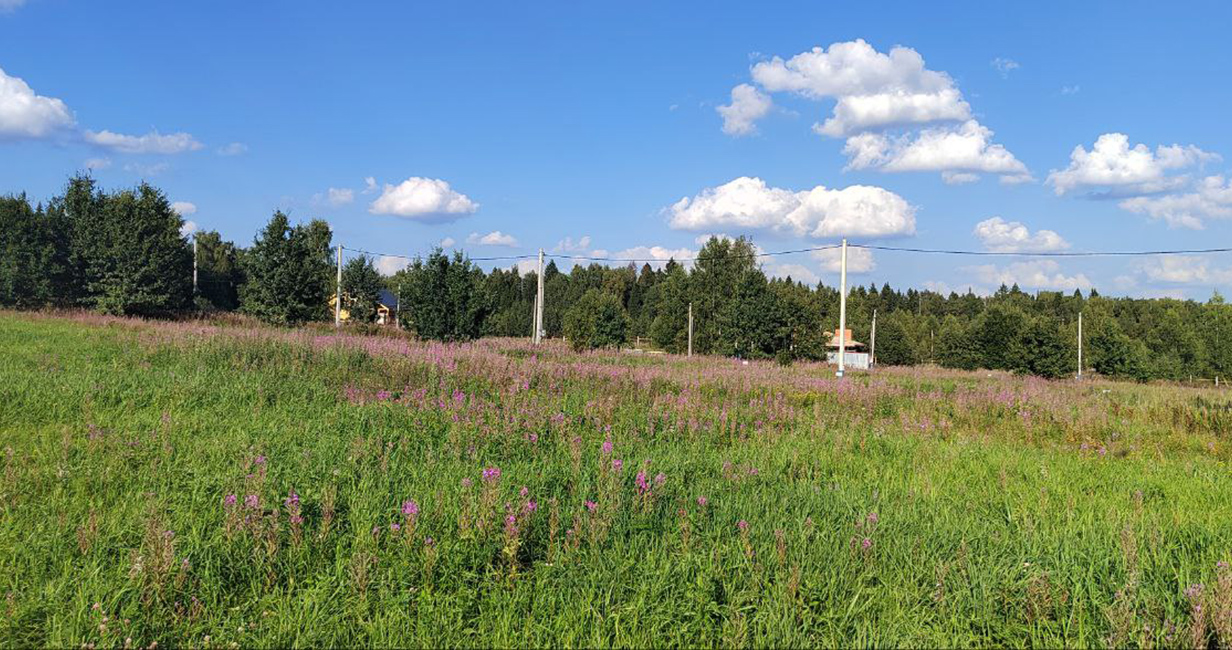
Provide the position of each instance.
(218, 484)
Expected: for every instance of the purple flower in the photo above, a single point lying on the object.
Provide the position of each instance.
(524, 491)
(642, 486)
(260, 460)
(607, 448)
(1193, 591)
(591, 505)
(410, 508)
(660, 479)
(702, 501)
(292, 500)
(871, 518)
(395, 527)
(229, 500)
(491, 474)
(617, 464)
(866, 544)
(742, 525)
(252, 502)
(530, 507)
(429, 542)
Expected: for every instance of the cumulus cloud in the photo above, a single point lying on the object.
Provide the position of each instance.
(152, 142)
(567, 245)
(25, 114)
(233, 149)
(859, 260)
(873, 93)
(999, 235)
(1186, 269)
(494, 238)
(370, 185)
(1113, 168)
(1034, 274)
(184, 208)
(339, 196)
(188, 228)
(956, 152)
(1211, 198)
(1005, 66)
(748, 104)
(656, 256)
(98, 163)
(797, 272)
(425, 199)
(389, 264)
(447, 242)
(749, 204)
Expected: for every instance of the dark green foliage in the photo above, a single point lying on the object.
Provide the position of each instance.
(219, 275)
(597, 320)
(361, 287)
(288, 271)
(34, 265)
(894, 347)
(1042, 350)
(443, 298)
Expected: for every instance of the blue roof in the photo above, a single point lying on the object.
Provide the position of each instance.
(388, 298)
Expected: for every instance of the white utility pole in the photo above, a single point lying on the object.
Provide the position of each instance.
(690, 329)
(842, 314)
(539, 303)
(872, 344)
(1080, 345)
(194, 263)
(338, 292)
(533, 310)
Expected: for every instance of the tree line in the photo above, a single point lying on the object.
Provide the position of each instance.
(123, 252)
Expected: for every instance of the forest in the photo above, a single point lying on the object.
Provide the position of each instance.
(124, 252)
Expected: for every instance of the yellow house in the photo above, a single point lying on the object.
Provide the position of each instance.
(386, 307)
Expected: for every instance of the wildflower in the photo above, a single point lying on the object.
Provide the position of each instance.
(642, 486)
(429, 542)
(491, 474)
(702, 501)
(607, 448)
(292, 500)
(1193, 591)
(524, 491)
(871, 518)
(742, 525)
(260, 460)
(395, 527)
(617, 464)
(410, 508)
(466, 482)
(866, 544)
(229, 500)
(660, 479)
(591, 505)
(530, 507)
(534, 437)
(252, 502)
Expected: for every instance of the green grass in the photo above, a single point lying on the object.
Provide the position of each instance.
(1064, 514)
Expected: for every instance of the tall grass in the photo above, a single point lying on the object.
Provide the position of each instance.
(188, 484)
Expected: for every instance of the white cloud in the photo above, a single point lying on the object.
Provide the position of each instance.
(98, 163)
(859, 260)
(233, 149)
(24, 114)
(152, 142)
(958, 178)
(11, 5)
(494, 238)
(1071, 90)
(1113, 168)
(997, 234)
(184, 208)
(1005, 66)
(748, 105)
(389, 265)
(748, 204)
(340, 196)
(424, 199)
(965, 149)
(147, 170)
(1034, 274)
(370, 185)
(567, 245)
(188, 228)
(525, 267)
(447, 242)
(656, 256)
(797, 272)
(1211, 199)
(1186, 269)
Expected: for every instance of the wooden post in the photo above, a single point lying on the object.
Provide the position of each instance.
(872, 344)
(338, 292)
(842, 314)
(539, 303)
(1080, 345)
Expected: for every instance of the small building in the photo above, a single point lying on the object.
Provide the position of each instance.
(855, 356)
(386, 307)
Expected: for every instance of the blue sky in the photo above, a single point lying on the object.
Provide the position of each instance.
(910, 125)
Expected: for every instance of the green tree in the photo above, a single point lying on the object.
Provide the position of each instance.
(288, 273)
(1041, 349)
(34, 267)
(597, 320)
(443, 297)
(219, 275)
(894, 347)
(361, 289)
(956, 345)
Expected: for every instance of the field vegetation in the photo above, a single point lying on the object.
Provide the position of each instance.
(220, 484)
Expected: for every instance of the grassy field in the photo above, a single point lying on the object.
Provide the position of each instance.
(212, 486)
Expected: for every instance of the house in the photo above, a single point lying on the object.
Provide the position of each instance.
(855, 355)
(386, 307)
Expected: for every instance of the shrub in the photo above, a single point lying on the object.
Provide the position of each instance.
(597, 320)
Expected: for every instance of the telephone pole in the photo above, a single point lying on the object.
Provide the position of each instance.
(690, 329)
(842, 313)
(539, 304)
(872, 344)
(194, 263)
(338, 292)
(1080, 345)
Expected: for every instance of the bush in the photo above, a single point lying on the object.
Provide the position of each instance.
(597, 320)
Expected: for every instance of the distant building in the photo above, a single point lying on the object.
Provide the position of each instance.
(856, 355)
(386, 307)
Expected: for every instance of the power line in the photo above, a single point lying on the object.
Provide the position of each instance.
(940, 251)
(408, 257)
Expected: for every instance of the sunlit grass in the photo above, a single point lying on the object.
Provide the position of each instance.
(910, 507)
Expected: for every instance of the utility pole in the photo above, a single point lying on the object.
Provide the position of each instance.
(398, 308)
(194, 263)
(1080, 345)
(539, 303)
(872, 344)
(690, 329)
(338, 292)
(842, 314)
(534, 309)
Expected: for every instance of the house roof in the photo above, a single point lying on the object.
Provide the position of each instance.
(848, 341)
(387, 298)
